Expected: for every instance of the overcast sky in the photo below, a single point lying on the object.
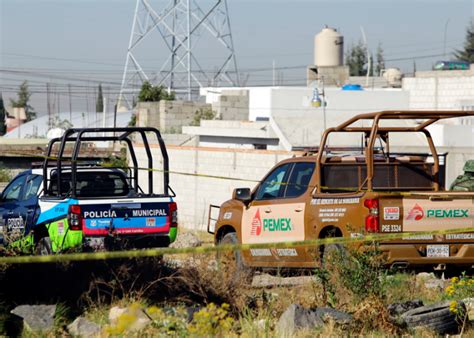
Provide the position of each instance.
(88, 39)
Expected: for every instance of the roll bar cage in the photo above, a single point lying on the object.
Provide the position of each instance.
(374, 131)
(79, 135)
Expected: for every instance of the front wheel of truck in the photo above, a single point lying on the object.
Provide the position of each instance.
(44, 247)
(230, 263)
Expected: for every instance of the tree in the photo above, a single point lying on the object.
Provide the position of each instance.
(99, 103)
(150, 93)
(467, 54)
(3, 113)
(203, 114)
(356, 59)
(23, 101)
(380, 60)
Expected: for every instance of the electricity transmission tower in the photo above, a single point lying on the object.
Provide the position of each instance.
(185, 37)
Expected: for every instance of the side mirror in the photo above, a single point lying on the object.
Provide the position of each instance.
(242, 194)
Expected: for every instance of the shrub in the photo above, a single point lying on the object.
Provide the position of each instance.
(5, 175)
(354, 275)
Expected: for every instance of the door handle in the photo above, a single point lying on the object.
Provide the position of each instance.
(10, 213)
(30, 211)
(268, 210)
(299, 209)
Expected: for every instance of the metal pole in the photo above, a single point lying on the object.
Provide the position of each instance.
(368, 56)
(323, 94)
(445, 34)
(188, 43)
(273, 64)
(70, 103)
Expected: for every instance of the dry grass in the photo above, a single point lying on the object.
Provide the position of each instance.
(253, 312)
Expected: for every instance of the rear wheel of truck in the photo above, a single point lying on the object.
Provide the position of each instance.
(230, 263)
(332, 253)
(44, 247)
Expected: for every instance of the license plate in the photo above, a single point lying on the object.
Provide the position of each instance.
(437, 251)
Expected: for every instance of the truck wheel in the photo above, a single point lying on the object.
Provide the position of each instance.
(331, 252)
(43, 247)
(437, 317)
(230, 263)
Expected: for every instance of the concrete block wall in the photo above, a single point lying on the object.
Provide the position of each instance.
(148, 114)
(440, 92)
(175, 114)
(168, 116)
(195, 193)
(232, 105)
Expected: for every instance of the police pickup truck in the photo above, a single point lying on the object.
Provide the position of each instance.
(71, 204)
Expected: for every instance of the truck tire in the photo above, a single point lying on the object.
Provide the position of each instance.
(437, 317)
(44, 247)
(231, 262)
(330, 251)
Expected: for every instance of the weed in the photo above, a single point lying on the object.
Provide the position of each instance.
(169, 323)
(349, 276)
(212, 321)
(460, 288)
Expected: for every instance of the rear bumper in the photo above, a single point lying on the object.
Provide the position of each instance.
(123, 242)
(414, 254)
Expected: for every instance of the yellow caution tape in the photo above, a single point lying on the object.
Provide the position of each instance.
(127, 254)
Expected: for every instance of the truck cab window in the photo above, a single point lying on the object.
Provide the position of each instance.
(299, 179)
(12, 192)
(274, 185)
(32, 186)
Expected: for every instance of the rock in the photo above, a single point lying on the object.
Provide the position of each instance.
(140, 319)
(261, 324)
(339, 317)
(265, 280)
(469, 303)
(191, 310)
(82, 327)
(297, 317)
(397, 309)
(36, 317)
(425, 275)
(434, 284)
(429, 281)
(186, 240)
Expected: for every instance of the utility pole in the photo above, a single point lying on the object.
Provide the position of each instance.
(368, 56)
(445, 35)
(70, 103)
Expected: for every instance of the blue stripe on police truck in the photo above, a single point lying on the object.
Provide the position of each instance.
(56, 211)
(132, 222)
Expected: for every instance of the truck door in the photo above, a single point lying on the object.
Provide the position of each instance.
(28, 206)
(11, 221)
(277, 211)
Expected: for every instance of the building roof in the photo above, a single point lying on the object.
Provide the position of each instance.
(38, 128)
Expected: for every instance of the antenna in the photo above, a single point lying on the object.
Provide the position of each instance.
(186, 31)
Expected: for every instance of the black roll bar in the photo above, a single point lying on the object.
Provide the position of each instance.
(124, 135)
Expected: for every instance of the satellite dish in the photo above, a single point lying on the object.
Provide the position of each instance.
(55, 133)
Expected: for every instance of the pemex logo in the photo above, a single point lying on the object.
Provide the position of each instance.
(256, 224)
(416, 213)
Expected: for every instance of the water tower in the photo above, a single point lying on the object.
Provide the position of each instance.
(328, 59)
(328, 48)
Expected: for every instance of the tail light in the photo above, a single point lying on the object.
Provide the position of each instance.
(173, 214)
(74, 217)
(372, 223)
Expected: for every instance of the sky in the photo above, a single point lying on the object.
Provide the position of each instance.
(74, 45)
